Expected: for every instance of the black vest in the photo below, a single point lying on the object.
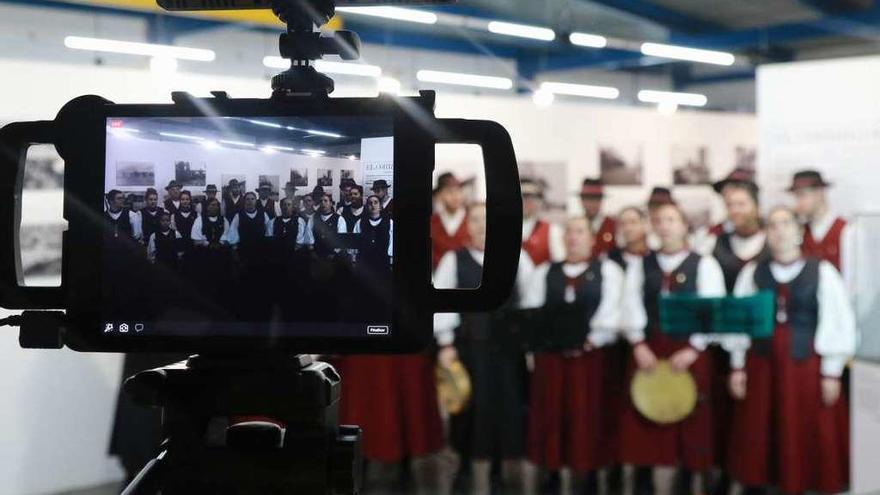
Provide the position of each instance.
(285, 233)
(150, 223)
(801, 308)
(184, 225)
(212, 231)
(373, 243)
(682, 279)
(119, 227)
(269, 209)
(251, 234)
(568, 323)
(326, 236)
(232, 207)
(169, 206)
(167, 247)
(616, 255)
(731, 264)
(351, 219)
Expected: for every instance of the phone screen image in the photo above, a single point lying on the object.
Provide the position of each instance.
(248, 226)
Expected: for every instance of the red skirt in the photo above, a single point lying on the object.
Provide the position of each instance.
(569, 412)
(688, 443)
(394, 401)
(782, 433)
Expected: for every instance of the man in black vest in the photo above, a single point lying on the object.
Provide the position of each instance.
(345, 186)
(380, 189)
(326, 228)
(166, 244)
(182, 221)
(172, 202)
(121, 222)
(233, 202)
(265, 203)
(248, 230)
(150, 214)
(355, 211)
(210, 193)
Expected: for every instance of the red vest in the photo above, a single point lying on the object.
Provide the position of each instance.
(442, 242)
(604, 237)
(827, 248)
(537, 246)
(716, 229)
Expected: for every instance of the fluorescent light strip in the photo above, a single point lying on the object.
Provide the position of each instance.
(313, 152)
(323, 133)
(688, 99)
(522, 31)
(123, 130)
(348, 69)
(588, 40)
(133, 48)
(585, 90)
(266, 124)
(181, 136)
(238, 143)
(280, 148)
(687, 53)
(433, 76)
(396, 13)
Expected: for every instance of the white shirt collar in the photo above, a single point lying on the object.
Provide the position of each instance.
(451, 221)
(819, 227)
(478, 255)
(286, 220)
(375, 221)
(251, 215)
(574, 270)
(116, 215)
(786, 273)
(357, 211)
(213, 219)
(746, 248)
(166, 234)
(327, 216)
(669, 262)
(185, 214)
(153, 213)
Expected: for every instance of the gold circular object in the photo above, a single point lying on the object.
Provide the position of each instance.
(607, 237)
(453, 387)
(681, 278)
(663, 395)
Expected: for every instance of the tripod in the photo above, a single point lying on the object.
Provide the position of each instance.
(253, 425)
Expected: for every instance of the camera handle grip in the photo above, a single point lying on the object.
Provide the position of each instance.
(14, 141)
(503, 217)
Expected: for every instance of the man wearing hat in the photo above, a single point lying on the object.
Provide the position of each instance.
(150, 214)
(826, 236)
(448, 227)
(541, 240)
(290, 191)
(172, 202)
(265, 203)
(380, 189)
(233, 201)
(210, 193)
(603, 228)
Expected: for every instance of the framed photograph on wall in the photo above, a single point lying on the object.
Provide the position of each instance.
(242, 181)
(621, 164)
(346, 174)
(271, 179)
(299, 176)
(190, 174)
(135, 174)
(552, 176)
(325, 177)
(690, 165)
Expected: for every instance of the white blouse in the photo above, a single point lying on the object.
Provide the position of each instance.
(199, 239)
(836, 336)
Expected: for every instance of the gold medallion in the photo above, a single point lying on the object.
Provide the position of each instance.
(681, 278)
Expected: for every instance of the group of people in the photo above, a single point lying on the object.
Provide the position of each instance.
(250, 238)
(550, 371)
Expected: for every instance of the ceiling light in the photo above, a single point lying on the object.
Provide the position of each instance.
(433, 76)
(324, 133)
(313, 152)
(585, 90)
(211, 145)
(686, 53)
(280, 148)
(667, 107)
(163, 65)
(266, 124)
(349, 69)
(268, 150)
(543, 98)
(237, 143)
(389, 85)
(181, 136)
(522, 31)
(396, 13)
(352, 157)
(133, 48)
(688, 99)
(588, 40)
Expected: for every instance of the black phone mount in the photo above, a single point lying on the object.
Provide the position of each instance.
(302, 45)
(233, 425)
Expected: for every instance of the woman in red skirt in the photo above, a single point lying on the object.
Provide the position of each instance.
(569, 405)
(673, 269)
(785, 430)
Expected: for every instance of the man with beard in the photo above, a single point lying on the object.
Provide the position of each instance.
(355, 210)
(326, 227)
(150, 214)
(345, 186)
(172, 202)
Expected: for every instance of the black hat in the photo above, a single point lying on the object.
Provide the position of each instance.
(446, 179)
(265, 185)
(289, 186)
(380, 184)
(740, 176)
(172, 184)
(233, 183)
(592, 188)
(807, 178)
(660, 196)
(211, 188)
(531, 187)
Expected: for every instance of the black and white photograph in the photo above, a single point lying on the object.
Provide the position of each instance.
(553, 177)
(44, 169)
(299, 176)
(346, 173)
(744, 157)
(273, 180)
(225, 178)
(690, 165)
(190, 174)
(621, 164)
(325, 177)
(131, 173)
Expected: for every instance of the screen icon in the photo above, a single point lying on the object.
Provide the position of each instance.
(138, 327)
(378, 330)
(108, 328)
(123, 327)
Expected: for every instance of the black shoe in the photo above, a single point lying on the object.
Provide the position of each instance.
(551, 484)
(586, 484)
(615, 480)
(644, 480)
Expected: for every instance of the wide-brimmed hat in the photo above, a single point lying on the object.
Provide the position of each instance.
(807, 178)
(592, 188)
(660, 196)
(740, 176)
(172, 185)
(211, 188)
(380, 184)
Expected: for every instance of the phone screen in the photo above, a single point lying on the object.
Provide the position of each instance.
(257, 226)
